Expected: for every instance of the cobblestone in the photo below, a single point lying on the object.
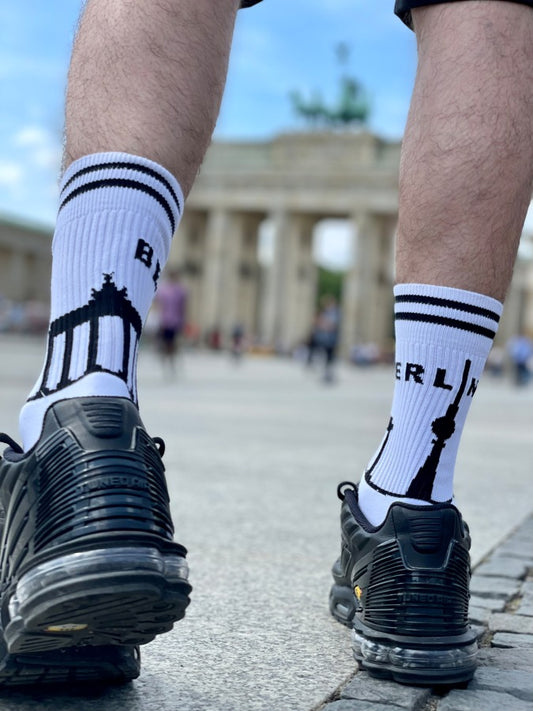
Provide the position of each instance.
(482, 586)
(481, 701)
(527, 590)
(518, 549)
(525, 609)
(356, 705)
(511, 640)
(493, 604)
(517, 682)
(507, 658)
(365, 688)
(503, 567)
(478, 615)
(500, 609)
(526, 603)
(507, 622)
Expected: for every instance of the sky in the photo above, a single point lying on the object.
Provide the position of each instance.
(279, 46)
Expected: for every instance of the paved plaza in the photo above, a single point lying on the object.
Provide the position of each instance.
(254, 454)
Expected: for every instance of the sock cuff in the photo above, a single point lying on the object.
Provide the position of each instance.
(94, 173)
(451, 317)
(448, 293)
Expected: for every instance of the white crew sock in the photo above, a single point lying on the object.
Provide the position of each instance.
(115, 224)
(443, 338)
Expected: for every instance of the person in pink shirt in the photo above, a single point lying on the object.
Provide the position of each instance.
(171, 303)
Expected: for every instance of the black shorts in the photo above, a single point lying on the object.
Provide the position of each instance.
(403, 7)
(169, 335)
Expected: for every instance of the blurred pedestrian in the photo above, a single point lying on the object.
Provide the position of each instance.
(171, 304)
(520, 349)
(326, 335)
(237, 341)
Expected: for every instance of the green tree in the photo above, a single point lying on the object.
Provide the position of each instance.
(329, 283)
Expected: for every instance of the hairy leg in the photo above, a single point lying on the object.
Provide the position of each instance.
(465, 184)
(147, 79)
(466, 175)
(145, 86)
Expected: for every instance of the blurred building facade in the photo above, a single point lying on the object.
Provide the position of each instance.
(291, 184)
(25, 261)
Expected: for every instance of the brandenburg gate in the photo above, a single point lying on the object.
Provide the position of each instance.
(285, 187)
(290, 184)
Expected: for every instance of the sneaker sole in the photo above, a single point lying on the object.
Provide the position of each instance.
(115, 596)
(414, 661)
(82, 665)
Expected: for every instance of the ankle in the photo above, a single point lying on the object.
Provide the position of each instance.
(375, 505)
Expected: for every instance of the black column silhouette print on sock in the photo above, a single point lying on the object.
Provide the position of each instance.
(443, 428)
(370, 469)
(105, 302)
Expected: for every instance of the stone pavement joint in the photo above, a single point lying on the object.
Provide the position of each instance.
(502, 608)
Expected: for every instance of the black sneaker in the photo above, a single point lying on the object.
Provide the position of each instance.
(74, 665)
(403, 588)
(89, 569)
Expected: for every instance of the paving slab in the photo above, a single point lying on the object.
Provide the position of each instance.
(490, 587)
(518, 549)
(507, 622)
(254, 454)
(488, 603)
(513, 658)
(512, 640)
(503, 567)
(366, 688)
(516, 681)
(478, 615)
(482, 701)
(358, 705)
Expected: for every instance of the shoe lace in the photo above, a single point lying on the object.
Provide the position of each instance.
(343, 487)
(6, 439)
(160, 444)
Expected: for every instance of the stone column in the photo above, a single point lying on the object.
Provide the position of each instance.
(290, 284)
(367, 299)
(188, 254)
(230, 258)
(178, 248)
(248, 276)
(517, 305)
(274, 280)
(218, 230)
(301, 283)
(231, 277)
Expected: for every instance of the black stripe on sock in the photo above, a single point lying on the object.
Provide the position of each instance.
(125, 166)
(123, 183)
(444, 321)
(448, 304)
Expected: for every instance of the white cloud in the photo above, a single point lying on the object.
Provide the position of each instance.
(29, 168)
(10, 174)
(30, 136)
(40, 147)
